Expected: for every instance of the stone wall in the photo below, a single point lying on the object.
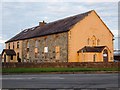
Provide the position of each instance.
(50, 41)
(62, 65)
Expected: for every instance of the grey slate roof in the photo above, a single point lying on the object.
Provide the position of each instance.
(9, 52)
(59, 26)
(92, 49)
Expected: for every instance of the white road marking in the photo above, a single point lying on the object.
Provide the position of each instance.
(29, 78)
(14, 78)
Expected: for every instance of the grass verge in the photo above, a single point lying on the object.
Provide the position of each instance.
(40, 70)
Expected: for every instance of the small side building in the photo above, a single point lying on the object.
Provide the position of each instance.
(87, 53)
(8, 55)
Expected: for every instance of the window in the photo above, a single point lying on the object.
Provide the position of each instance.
(18, 44)
(94, 40)
(45, 49)
(4, 57)
(57, 50)
(28, 44)
(98, 42)
(13, 45)
(11, 57)
(36, 43)
(36, 52)
(8, 45)
(18, 57)
(36, 48)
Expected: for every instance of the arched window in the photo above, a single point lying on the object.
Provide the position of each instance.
(88, 41)
(98, 42)
(93, 40)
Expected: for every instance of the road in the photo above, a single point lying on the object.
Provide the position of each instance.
(60, 81)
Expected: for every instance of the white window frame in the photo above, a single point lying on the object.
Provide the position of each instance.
(45, 49)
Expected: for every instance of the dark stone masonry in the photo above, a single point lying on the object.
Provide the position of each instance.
(51, 42)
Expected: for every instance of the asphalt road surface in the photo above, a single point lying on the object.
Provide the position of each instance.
(60, 81)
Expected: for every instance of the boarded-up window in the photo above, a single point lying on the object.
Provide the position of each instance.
(8, 45)
(28, 44)
(36, 52)
(18, 44)
(45, 49)
(13, 45)
(57, 50)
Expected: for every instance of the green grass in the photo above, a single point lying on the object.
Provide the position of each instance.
(40, 70)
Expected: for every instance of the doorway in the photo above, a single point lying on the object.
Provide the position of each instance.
(4, 57)
(18, 57)
(105, 55)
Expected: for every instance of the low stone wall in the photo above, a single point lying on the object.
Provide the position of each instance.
(65, 65)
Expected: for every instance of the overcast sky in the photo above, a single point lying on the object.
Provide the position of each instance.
(17, 16)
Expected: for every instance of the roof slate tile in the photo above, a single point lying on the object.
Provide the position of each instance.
(59, 26)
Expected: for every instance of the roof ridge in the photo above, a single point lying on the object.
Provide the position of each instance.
(72, 16)
(58, 26)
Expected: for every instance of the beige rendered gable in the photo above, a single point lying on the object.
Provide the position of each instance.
(90, 26)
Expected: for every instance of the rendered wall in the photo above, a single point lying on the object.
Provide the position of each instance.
(87, 28)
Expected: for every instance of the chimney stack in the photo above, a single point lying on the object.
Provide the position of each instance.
(42, 23)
